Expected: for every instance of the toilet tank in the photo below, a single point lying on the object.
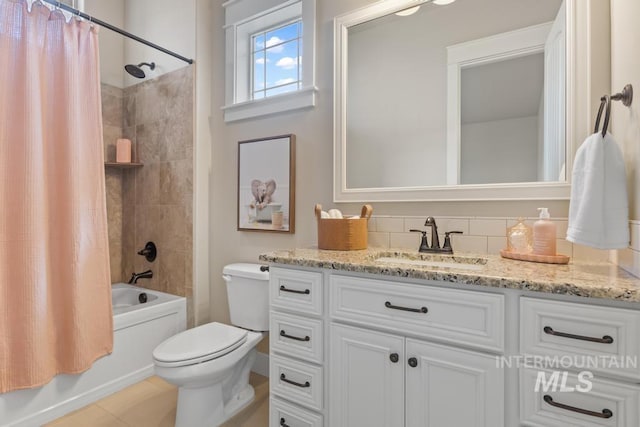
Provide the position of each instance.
(248, 295)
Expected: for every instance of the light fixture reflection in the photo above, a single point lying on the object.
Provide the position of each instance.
(408, 12)
(442, 2)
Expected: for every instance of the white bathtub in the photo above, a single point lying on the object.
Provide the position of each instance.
(138, 329)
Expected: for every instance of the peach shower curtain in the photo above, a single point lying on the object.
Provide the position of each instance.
(55, 294)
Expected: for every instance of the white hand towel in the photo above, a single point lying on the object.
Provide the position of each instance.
(599, 207)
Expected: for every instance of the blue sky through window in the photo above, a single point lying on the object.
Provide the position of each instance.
(276, 58)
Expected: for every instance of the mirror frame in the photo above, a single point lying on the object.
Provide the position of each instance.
(577, 118)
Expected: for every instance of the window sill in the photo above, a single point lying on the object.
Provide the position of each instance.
(303, 98)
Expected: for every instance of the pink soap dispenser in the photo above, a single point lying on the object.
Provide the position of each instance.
(544, 234)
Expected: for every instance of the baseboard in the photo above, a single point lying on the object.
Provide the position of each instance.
(261, 365)
(83, 399)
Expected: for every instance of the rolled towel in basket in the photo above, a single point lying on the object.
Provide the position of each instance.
(335, 213)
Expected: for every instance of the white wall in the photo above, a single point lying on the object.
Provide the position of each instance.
(111, 43)
(625, 68)
(202, 158)
(625, 122)
(167, 23)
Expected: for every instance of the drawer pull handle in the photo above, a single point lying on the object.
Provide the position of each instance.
(413, 362)
(293, 291)
(413, 310)
(394, 357)
(606, 413)
(604, 340)
(291, 337)
(283, 422)
(305, 385)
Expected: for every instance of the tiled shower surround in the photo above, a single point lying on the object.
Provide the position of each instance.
(154, 202)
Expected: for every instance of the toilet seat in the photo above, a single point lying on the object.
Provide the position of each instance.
(200, 344)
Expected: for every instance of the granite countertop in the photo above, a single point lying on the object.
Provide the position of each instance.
(584, 279)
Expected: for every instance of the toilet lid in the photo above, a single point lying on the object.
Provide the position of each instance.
(200, 344)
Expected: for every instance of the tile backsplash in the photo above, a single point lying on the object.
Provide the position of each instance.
(481, 235)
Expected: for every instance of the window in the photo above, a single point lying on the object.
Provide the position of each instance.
(277, 60)
(269, 58)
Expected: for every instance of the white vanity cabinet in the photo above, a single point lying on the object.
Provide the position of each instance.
(383, 372)
(353, 349)
(297, 346)
(597, 350)
(380, 379)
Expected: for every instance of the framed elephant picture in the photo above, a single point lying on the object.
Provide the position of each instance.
(266, 184)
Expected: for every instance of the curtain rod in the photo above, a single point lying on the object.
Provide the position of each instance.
(116, 29)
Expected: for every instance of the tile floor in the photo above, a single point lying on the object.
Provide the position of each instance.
(152, 403)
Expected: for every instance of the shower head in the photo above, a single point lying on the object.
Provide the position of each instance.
(136, 71)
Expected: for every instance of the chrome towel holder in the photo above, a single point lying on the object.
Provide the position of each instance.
(626, 96)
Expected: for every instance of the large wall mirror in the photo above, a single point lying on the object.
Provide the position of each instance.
(464, 101)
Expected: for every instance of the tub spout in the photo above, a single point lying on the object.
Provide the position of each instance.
(144, 275)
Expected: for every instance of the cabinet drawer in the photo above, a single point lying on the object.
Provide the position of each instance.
(297, 382)
(604, 339)
(606, 403)
(451, 315)
(294, 290)
(296, 336)
(283, 414)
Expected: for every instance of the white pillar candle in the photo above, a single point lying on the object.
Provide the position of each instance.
(123, 151)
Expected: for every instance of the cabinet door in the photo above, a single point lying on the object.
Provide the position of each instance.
(366, 378)
(452, 387)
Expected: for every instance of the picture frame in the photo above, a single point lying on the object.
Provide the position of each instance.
(266, 184)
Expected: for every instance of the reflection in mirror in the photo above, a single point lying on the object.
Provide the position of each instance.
(510, 88)
(509, 110)
(509, 124)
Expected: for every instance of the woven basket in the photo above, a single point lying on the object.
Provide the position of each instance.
(346, 234)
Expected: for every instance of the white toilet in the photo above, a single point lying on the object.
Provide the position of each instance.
(211, 363)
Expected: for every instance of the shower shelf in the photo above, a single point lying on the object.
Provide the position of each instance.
(122, 165)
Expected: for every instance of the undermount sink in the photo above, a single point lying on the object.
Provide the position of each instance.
(433, 261)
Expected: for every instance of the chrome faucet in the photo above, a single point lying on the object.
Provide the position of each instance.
(144, 275)
(435, 240)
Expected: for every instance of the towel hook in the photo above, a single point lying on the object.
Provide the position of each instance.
(626, 96)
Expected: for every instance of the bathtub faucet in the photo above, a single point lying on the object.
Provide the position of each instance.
(144, 275)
